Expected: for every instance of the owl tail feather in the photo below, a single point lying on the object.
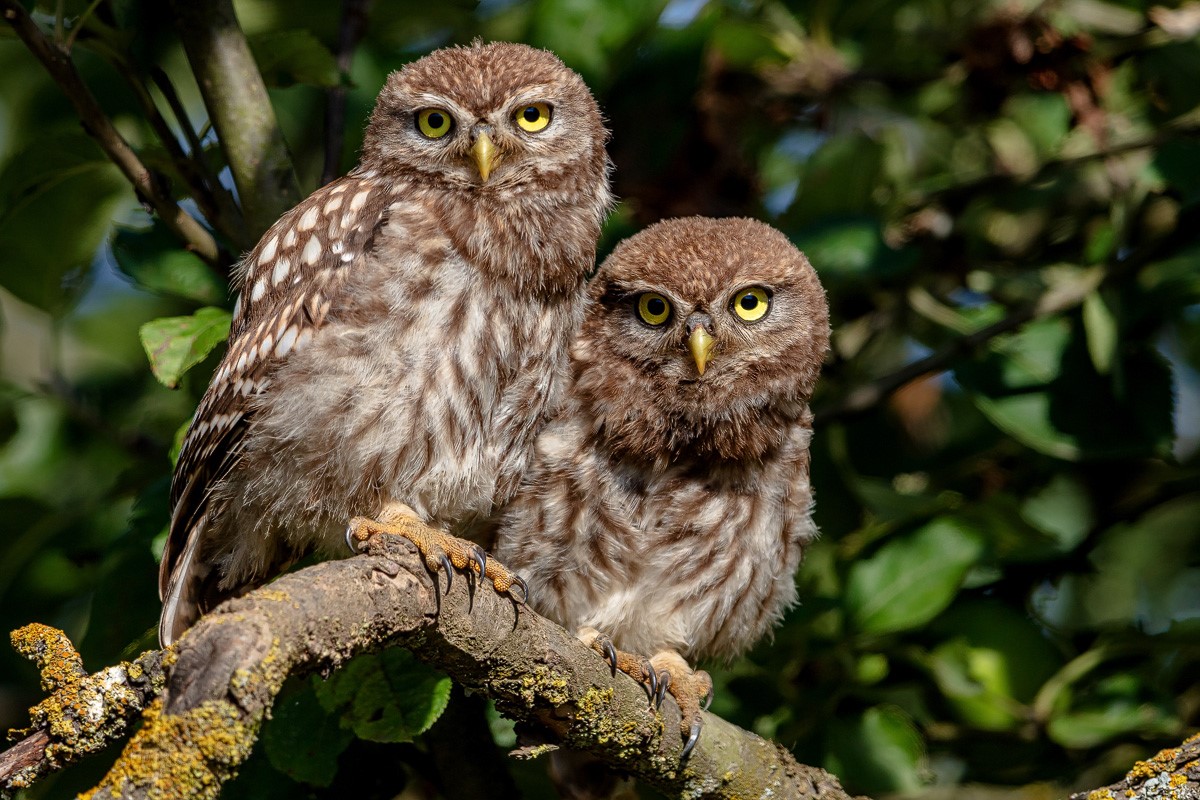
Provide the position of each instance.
(182, 599)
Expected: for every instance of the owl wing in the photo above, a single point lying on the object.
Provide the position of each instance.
(289, 282)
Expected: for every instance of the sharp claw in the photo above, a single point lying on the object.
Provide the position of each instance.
(693, 737)
(610, 655)
(449, 567)
(664, 683)
(350, 539)
(480, 558)
(653, 683)
(519, 581)
(708, 698)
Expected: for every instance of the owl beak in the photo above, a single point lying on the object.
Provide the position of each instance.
(485, 154)
(701, 343)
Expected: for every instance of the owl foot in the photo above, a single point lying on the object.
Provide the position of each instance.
(692, 690)
(441, 551)
(635, 666)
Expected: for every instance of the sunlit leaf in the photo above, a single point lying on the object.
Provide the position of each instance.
(1101, 330)
(176, 344)
(912, 578)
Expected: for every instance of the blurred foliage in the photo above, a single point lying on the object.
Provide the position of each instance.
(1007, 590)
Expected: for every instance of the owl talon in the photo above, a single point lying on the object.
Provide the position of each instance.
(610, 655)
(480, 559)
(708, 698)
(664, 685)
(693, 737)
(449, 567)
(519, 581)
(653, 681)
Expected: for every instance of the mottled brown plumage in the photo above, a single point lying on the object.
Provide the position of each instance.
(401, 334)
(668, 504)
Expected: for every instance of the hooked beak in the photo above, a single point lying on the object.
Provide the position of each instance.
(485, 154)
(701, 343)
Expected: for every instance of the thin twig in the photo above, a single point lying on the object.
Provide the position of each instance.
(864, 398)
(354, 26)
(240, 109)
(100, 127)
(229, 218)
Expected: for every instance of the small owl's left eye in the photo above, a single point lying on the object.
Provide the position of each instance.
(434, 122)
(653, 308)
(533, 117)
(752, 304)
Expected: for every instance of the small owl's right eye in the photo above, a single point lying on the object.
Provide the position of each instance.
(653, 308)
(434, 122)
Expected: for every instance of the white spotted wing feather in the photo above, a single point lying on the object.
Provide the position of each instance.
(288, 284)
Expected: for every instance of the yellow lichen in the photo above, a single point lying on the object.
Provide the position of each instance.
(55, 656)
(183, 755)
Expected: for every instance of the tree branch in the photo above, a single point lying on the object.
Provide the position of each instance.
(1174, 772)
(83, 713)
(240, 109)
(62, 70)
(231, 665)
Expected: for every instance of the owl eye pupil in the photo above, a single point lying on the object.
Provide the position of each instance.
(749, 302)
(656, 306)
(531, 114)
(435, 120)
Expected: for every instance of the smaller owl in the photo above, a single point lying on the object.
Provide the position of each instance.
(668, 503)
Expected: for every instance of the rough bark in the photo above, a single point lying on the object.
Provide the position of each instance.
(83, 713)
(230, 666)
(1171, 774)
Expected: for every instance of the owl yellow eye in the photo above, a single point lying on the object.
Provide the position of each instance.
(653, 308)
(434, 122)
(533, 117)
(751, 305)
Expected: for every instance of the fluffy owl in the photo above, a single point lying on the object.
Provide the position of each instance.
(668, 504)
(401, 334)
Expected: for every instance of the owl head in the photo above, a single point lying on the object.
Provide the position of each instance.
(485, 118)
(702, 338)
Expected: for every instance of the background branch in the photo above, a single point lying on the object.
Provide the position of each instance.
(58, 63)
(240, 109)
(353, 27)
(231, 665)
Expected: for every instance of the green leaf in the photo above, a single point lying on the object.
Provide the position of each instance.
(57, 200)
(879, 752)
(156, 261)
(286, 58)
(303, 741)
(176, 344)
(1101, 331)
(912, 579)
(1041, 387)
(386, 697)
(992, 661)
(1142, 577)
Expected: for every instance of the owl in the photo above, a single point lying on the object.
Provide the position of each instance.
(401, 335)
(668, 504)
